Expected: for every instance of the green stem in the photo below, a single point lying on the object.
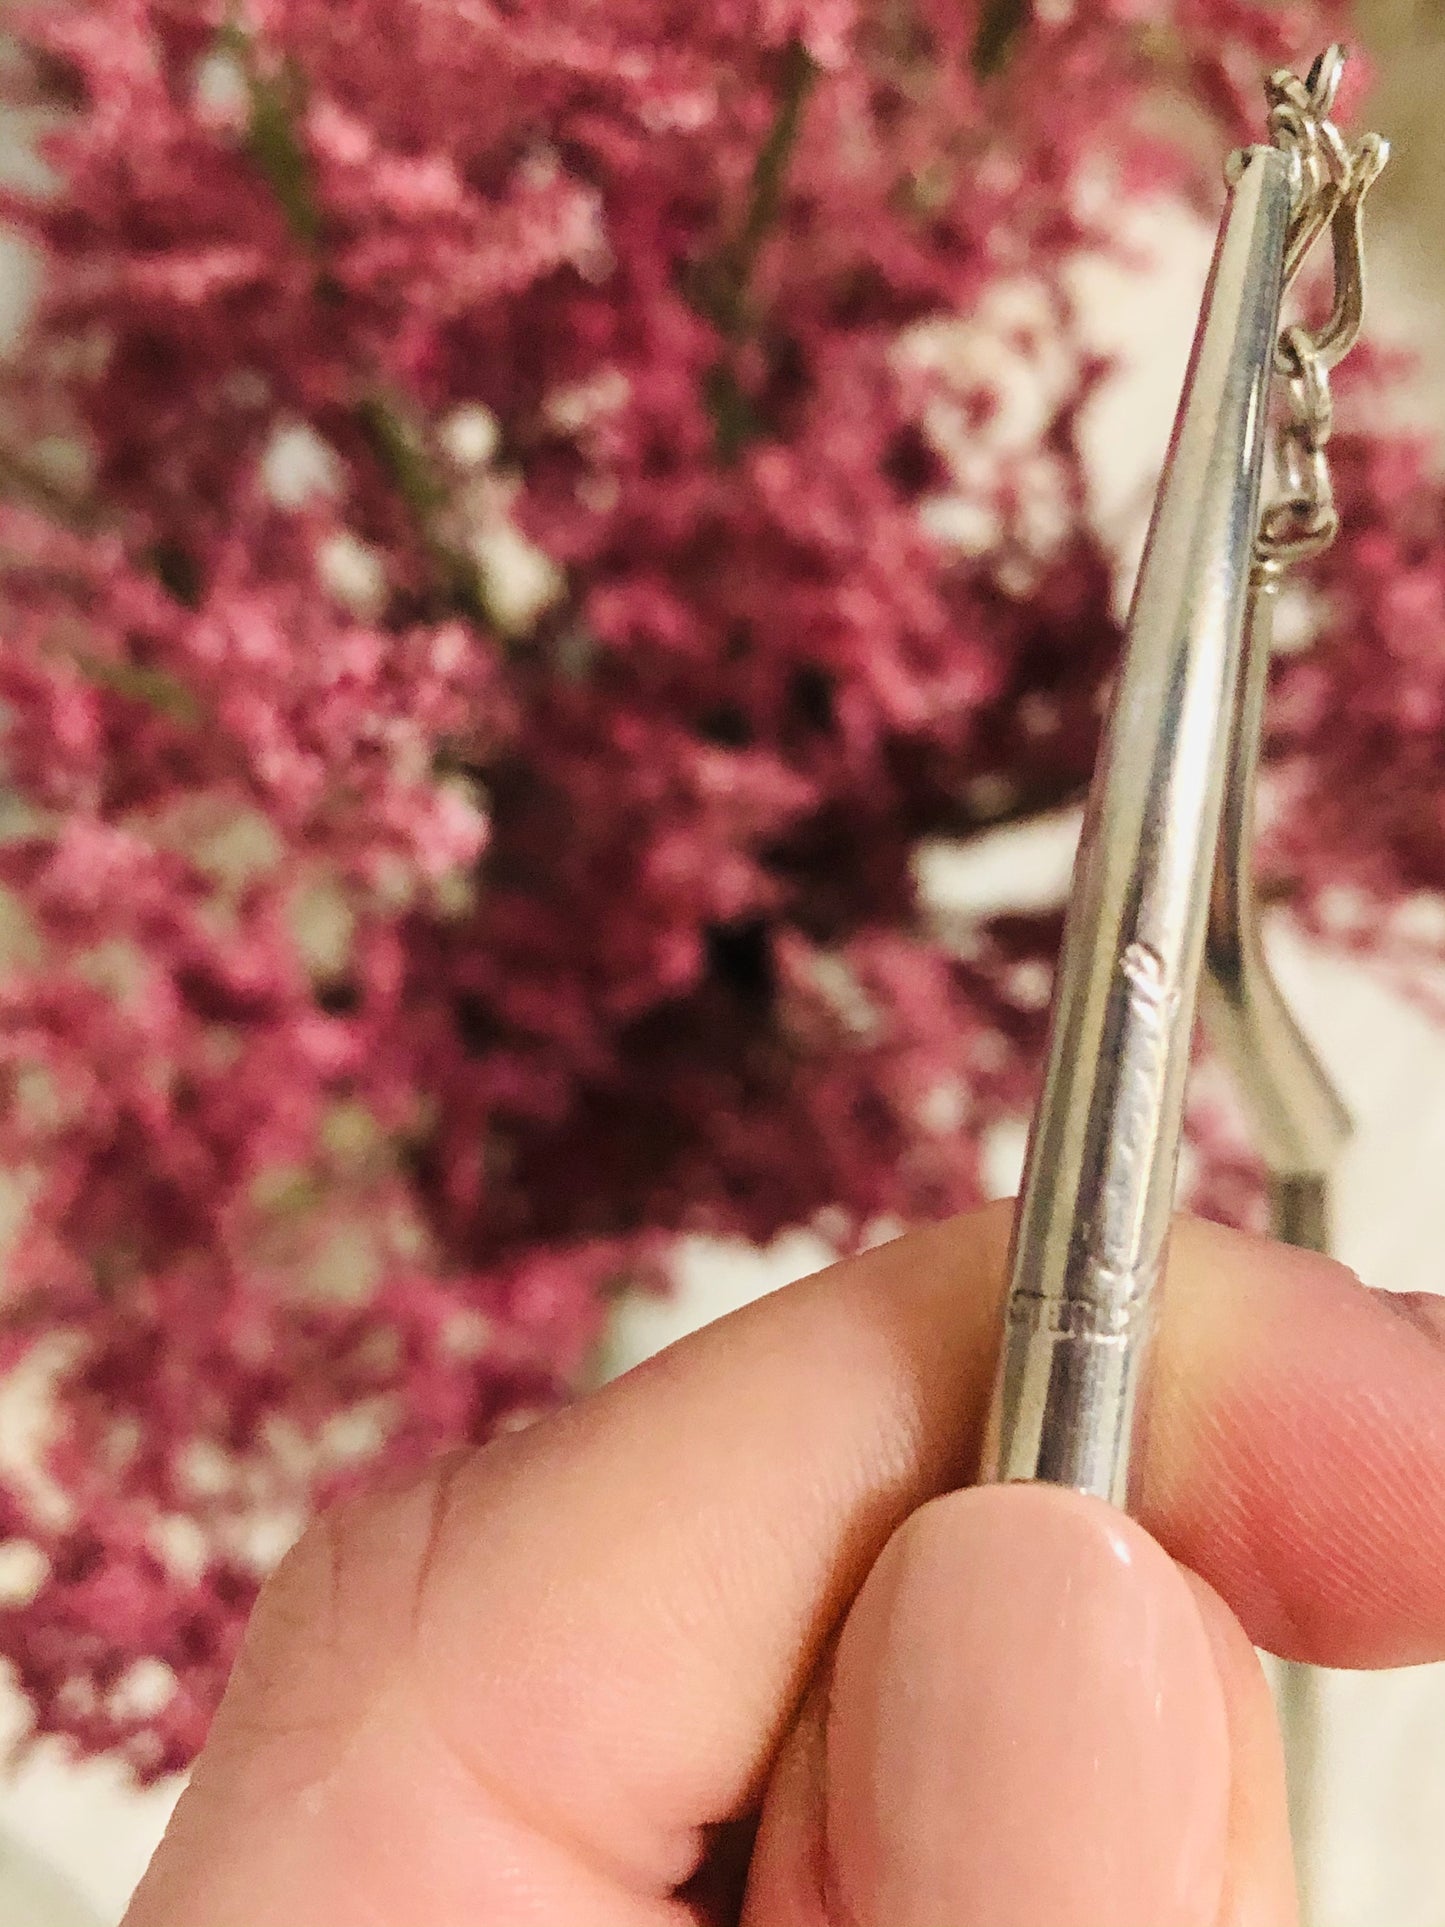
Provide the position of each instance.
(276, 101)
(735, 268)
(1000, 24)
(21, 480)
(152, 688)
(402, 454)
(725, 288)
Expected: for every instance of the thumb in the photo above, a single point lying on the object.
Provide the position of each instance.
(1031, 1722)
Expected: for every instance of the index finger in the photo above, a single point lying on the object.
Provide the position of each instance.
(593, 1634)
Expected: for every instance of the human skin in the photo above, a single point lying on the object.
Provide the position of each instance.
(724, 1642)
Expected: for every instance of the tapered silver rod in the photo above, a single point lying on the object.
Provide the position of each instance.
(1298, 1119)
(1098, 1189)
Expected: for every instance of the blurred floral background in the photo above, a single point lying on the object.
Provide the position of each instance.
(559, 571)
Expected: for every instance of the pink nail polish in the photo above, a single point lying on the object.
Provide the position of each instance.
(1027, 1728)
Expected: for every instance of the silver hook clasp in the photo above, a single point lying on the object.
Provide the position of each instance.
(1330, 179)
(1340, 333)
(1319, 160)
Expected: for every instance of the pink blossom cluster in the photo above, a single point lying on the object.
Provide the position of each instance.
(472, 716)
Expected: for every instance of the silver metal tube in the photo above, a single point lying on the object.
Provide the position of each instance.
(1299, 1121)
(1093, 1218)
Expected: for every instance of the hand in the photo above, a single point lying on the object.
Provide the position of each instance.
(710, 1646)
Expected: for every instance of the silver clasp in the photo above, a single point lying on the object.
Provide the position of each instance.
(1329, 179)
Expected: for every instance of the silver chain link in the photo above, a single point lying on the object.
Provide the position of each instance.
(1330, 181)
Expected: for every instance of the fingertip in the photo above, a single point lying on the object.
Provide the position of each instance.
(1026, 1725)
(1259, 1888)
(1297, 1450)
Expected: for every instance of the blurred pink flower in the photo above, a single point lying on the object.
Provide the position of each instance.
(471, 730)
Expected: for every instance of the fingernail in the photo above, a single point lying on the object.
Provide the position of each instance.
(1027, 1726)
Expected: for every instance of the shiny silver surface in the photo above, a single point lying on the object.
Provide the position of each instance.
(1297, 1117)
(1093, 1216)
(1298, 1121)
(1163, 872)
